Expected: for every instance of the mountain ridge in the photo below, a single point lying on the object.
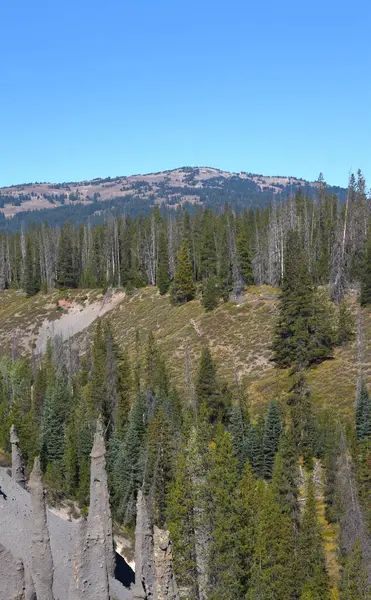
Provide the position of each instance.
(170, 188)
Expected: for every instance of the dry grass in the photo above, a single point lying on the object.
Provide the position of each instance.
(239, 336)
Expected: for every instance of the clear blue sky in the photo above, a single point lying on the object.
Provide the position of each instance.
(119, 87)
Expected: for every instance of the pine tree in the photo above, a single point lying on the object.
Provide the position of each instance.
(70, 458)
(210, 293)
(56, 406)
(32, 271)
(254, 446)
(303, 424)
(285, 478)
(273, 568)
(302, 334)
(244, 255)
(353, 582)
(238, 429)
(272, 433)
(66, 267)
(247, 508)
(158, 464)
(311, 554)
(225, 570)
(180, 520)
(128, 470)
(363, 412)
(208, 391)
(163, 274)
(183, 288)
(345, 325)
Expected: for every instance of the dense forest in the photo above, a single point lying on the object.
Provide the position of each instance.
(240, 493)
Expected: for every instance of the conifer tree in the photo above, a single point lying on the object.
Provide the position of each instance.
(345, 324)
(272, 433)
(244, 256)
(163, 274)
(273, 569)
(183, 288)
(247, 509)
(207, 388)
(128, 469)
(238, 430)
(363, 412)
(353, 582)
(158, 464)
(255, 449)
(303, 424)
(285, 478)
(311, 554)
(32, 271)
(180, 519)
(225, 570)
(66, 267)
(302, 334)
(56, 405)
(210, 293)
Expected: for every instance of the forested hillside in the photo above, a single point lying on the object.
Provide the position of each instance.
(231, 380)
(187, 187)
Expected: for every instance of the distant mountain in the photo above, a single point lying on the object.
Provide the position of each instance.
(186, 186)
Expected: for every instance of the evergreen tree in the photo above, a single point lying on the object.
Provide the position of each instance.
(363, 412)
(183, 288)
(158, 464)
(208, 390)
(345, 325)
(56, 405)
(163, 274)
(32, 270)
(255, 448)
(225, 570)
(285, 479)
(66, 267)
(128, 469)
(244, 255)
(272, 433)
(303, 424)
(210, 293)
(238, 430)
(273, 569)
(353, 582)
(311, 554)
(302, 334)
(180, 519)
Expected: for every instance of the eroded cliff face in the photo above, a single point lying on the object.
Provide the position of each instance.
(17, 462)
(166, 587)
(11, 576)
(41, 560)
(154, 572)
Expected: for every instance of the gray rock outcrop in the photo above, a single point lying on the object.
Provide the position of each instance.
(41, 559)
(12, 585)
(145, 570)
(17, 462)
(166, 587)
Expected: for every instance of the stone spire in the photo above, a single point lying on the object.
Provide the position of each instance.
(145, 571)
(17, 462)
(165, 580)
(40, 560)
(99, 538)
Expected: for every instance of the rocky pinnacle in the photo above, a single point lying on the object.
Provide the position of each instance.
(17, 462)
(40, 560)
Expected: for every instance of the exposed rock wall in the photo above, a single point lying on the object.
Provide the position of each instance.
(145, 570)
(11, 576)
(40, 560)
(17, 462)
(166, 588)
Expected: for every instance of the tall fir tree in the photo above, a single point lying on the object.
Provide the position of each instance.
(363, 412)
(311, 553)
(353, 581)
(183, 288)
(272, 433)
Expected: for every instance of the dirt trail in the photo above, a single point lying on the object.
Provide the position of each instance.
(76, 319)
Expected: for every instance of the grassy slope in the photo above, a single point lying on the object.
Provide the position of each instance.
(239, 337)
